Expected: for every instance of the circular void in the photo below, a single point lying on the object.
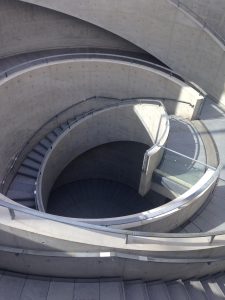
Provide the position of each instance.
(103, 183)
(100, 198)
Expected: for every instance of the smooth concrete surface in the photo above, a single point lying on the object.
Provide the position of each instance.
(28, 28)
(162, 29)
(209, 12)
(212, 217)
(183, 44)
(118, 161)
(125, 122)
(100, 198)
(48, 89)
(45, 288)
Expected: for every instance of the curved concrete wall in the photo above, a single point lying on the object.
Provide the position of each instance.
(32, 96)
(163, 30)
(212, 13)
(119, 161)
(126, 122)
(28, 28)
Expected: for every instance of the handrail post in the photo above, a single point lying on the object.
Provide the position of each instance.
(12, 213)
(212, 239)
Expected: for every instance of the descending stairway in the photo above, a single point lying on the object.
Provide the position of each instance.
(177, 180)
(43, 288)
(22, 188)
(177, 171)
(100, 198)
(212, 216)
(177, 177)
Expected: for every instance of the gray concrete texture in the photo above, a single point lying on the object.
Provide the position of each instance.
(211, 12)
(45, 91)
(161, 29)
(130, 122)
(28, 28)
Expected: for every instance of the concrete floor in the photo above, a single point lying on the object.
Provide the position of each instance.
(99, 198)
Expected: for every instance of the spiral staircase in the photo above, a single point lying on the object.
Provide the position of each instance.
(112, 150)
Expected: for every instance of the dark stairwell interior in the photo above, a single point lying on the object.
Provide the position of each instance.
(103, 183)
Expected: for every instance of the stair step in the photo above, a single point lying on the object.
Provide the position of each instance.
(20, 195)
(87, 290)
(31, 164)
(27, 172)
(111, 290)
(11, 286)
(64, 126)
(220, 279)
(45, 143)
(35, 156)
(23, 180)
(40, 149)
(52, 137)
(22, 186)
(177, 290)
(35, 289)
(63, 290)
(58, 131)
(28, 203)
(213, 290)
(135, 290)
(158, 291)
(195, 290)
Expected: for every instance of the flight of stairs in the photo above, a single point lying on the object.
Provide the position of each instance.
(44, 288)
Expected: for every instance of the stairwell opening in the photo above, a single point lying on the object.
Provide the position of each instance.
(103, 183)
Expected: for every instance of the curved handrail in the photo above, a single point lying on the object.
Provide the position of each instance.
(124, 233)
(204, 23)
(97, 55)
(29, 141)
(161, 141)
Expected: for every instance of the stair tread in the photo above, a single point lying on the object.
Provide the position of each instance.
(83, 290)
(40, 149)
(111, 290)
(213, 290)
(135, 290)
(35, 289)
(63, 290)
(158, 291)
(27, 171)
(46, 143)
(11, 286)
(177, 290)
(35, 156)
(195, 289)
(31, 164)
(17, 195)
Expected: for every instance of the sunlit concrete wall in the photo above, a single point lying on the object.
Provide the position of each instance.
(161, 29)
(212, 12)
(27, 28)
(31, 97)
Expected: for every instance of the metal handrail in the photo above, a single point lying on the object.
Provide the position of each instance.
(28, 142)
(203, 22)
(133, 101)
(97, 55)
(125, 233)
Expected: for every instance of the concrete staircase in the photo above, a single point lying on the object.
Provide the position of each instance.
(23, 185)
(170, 179)
(20, 287)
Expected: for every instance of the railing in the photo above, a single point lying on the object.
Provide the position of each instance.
(51, 123)
(96, 55)
(203, 22)
(160, 134)
(126, 234)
